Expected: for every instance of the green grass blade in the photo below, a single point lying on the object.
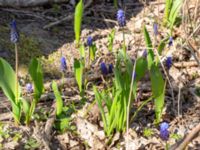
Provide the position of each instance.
(168, 5)
(174, 12)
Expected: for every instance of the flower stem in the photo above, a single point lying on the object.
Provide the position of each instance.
(16, 74)
(124, 43)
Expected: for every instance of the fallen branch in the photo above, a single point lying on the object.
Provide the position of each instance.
(188, 138)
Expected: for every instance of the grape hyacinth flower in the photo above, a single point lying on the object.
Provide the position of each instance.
(104, 69)
(110, 68)
(169, 62)
(89, 41)
(134, 75)
(164, 133)
(170, 41)
(29, 88)
(121, 18)
(63, 64)
(14, 35)
(144, 54)
(155, 29)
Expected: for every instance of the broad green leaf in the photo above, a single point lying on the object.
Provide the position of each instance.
(159, 105)
(150, 54)
(8, 81)
(157, 82)
(35, 71)
(140, 68)
(111, 37)
(78, 70)
(78, 20)
(59, 101)
(158, 89)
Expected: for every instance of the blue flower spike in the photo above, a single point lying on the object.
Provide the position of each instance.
(110, 68)
(14, 35)
(164, 133)
(134, 75)
(144, 54)
(63, 64)
(103, 68)
(169, 62)
(29, 88)
(155, 29)
(170, 41)
(121, 18)
(89, 41)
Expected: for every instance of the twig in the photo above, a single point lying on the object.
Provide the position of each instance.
(188, 138)
(179, 97)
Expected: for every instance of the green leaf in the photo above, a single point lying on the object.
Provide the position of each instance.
(8, 80)
(159, 105)
(140, 68)
(111, 40)
(78, 20)
(92, 52)
(161, 46)
(176, 5)
(150, 54)
(8, 85)
(157, 82)
(78, 70)
(168, 5)
(35, 71)
(158, 89)
(98, 98)
(26, 106)
(82, 51)
(59, 101)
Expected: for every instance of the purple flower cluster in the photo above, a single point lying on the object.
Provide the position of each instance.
(106, 70)
(168, 62)
(170, 41)
(14, 35)
(121, 18)
(89, 41)
(144, 54)
(29, 88)
(63, 64)
(164, 133)
(155, 28)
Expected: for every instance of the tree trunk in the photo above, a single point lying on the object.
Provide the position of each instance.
(27, 3)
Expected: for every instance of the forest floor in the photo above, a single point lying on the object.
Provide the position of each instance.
(82, 128)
